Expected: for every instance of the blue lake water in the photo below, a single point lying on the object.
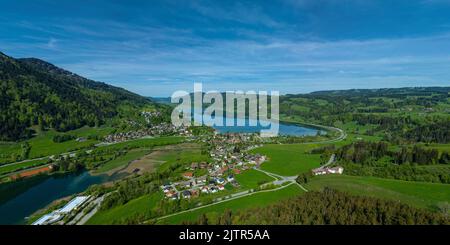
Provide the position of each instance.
(283, 128)
(20, 199)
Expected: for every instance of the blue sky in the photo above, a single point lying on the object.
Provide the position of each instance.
(156, 47)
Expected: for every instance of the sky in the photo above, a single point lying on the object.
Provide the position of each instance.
(154, 48)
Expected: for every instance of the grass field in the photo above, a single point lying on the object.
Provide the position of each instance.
(256, 200)
(141, 205)
(146, 142)
(419, 194)
(15, 167)
(122, 161)
(184, 155)
(251, 179)
(43, 145)
(139, 148)
(7, 149)
(289, 159)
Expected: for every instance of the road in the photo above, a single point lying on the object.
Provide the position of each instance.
(330, 161)
(89, 215)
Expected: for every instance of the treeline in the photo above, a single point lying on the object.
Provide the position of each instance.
(367, 153)
(438, 132)
(329, 207)
(434, 174)
(415, 164)
(427, 130)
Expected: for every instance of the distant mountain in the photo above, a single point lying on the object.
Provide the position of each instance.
(35, 92)
(161, 100)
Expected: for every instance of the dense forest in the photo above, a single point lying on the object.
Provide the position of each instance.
(34, 92)
(329, 207)
(414, 163)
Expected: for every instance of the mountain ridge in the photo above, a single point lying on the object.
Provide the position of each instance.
(36, 92)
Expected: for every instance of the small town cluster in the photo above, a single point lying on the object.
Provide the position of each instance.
(229, 156)
(160, 129)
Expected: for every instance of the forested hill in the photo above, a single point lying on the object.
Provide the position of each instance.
(35, 92)
(401, 115)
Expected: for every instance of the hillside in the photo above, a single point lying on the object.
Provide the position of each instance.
(403, 115)
(34, 92)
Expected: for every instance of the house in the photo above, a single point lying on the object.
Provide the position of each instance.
(171, 194)
(188, 175)
(220, 181)
(186, 194)
(236, 171)
(213, 190)
(194, 193)
(203, 165)
(336, 170)
(230, 178)
(235, 183)
(174, 196)
(221, 187)
(194, 165)
(319, 171)
(81, 139)
(205, 189)
(185, 184)
(326, 170)
(201, 180)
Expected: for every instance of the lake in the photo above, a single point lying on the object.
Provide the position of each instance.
(22, 198)
(284, 128)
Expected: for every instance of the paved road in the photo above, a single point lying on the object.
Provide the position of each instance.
(89, 215)
(330, 161)
(281, 179)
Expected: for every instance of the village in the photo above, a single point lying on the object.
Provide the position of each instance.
(229, 155)
(155, 130)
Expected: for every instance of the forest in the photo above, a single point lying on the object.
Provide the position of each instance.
(414, 163)
(36, 93)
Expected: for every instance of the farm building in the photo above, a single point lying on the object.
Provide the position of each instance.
(326, 170)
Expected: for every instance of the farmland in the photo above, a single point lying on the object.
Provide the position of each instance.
(289, 160)
(138, 206)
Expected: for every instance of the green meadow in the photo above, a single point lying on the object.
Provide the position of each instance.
(251, 179)
(181, 155)
(122, 161)
(289, 159)
(142, 143)
(42, 144)
(19, 166)
(138, 206)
